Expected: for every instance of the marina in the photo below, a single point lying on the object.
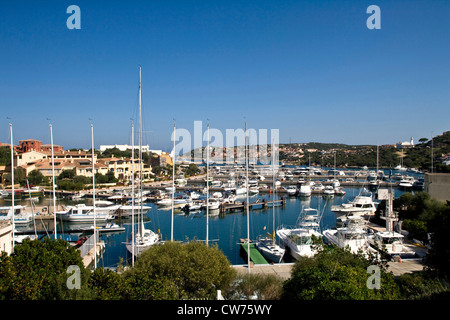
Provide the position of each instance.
(226, 225)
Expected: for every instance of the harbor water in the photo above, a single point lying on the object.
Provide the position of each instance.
(225, 230)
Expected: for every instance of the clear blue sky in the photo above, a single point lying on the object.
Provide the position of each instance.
(311, 69)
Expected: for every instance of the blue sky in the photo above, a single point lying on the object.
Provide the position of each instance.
(311, 69)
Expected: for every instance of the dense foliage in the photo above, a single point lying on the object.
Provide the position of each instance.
(180, 271)
(366, 155)
(337, 274)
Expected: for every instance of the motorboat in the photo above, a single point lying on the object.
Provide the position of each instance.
(164, 202)
(109, 227)
(361, 205)
(339, 191)
(127, 210)
(305, 190)
(217, 195)
(194, 195)
(393, 242)
(298, 241)
(212, 204)
(309, 218)
(32, 192)
(406, 182)
(270, 249)
(318, 187)
(181, 181)
(353, 235)
(241, 190)
(253, 190)
(192, 206)
(83, 213)
(328, 191)
(291, 190)
(21, 216)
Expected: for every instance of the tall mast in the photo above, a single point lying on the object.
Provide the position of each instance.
(12, 183)
(173, 181)
(140, 152)
(248, 207)
(207, 187)
(273, 182)
(53, 181)
(132, 194)
(93, 197)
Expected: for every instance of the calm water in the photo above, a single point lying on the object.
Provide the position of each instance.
(225, 230)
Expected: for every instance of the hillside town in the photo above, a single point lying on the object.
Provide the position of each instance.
(32, 155)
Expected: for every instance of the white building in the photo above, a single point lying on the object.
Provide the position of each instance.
(405, 144)
(123, 147)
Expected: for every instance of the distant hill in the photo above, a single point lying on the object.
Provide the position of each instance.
(322, 154)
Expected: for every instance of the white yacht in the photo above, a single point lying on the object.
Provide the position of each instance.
(406, 182)
(143, 240)
(305, 190)
(20, 215)
(127, 210)
(353, 235)
(361, 205)
(241, 190)
(328, 191)
(393, 242)
(164, 202)
(83, 213)
(270, 249)
(291, 190)
(298, 241)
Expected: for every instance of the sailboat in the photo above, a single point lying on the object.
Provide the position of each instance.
(267, 245)
(144, 238)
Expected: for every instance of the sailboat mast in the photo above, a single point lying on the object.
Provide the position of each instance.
(207, 187)
(93, 197)
(132, 195)
(377, 163)
(12, 184)
(173, 181)
(273, 183)
(248, 207)
(53, 181)
(140, 153)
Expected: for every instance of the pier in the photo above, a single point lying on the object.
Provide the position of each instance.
(255, 255)
(242, 206)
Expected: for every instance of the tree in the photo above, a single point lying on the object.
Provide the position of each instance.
(423, 140)
(261, 286)
(35, 177)
(36, 270)
(336, 274)
(179, 271)
(438, 257)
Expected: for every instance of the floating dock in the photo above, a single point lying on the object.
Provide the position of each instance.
(239, 206)
(255, 255)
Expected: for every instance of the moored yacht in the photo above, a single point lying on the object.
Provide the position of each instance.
(393, 243)
(83, 213)
(361, 205)
(270, 249)
(353, 235)
(298, 241)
